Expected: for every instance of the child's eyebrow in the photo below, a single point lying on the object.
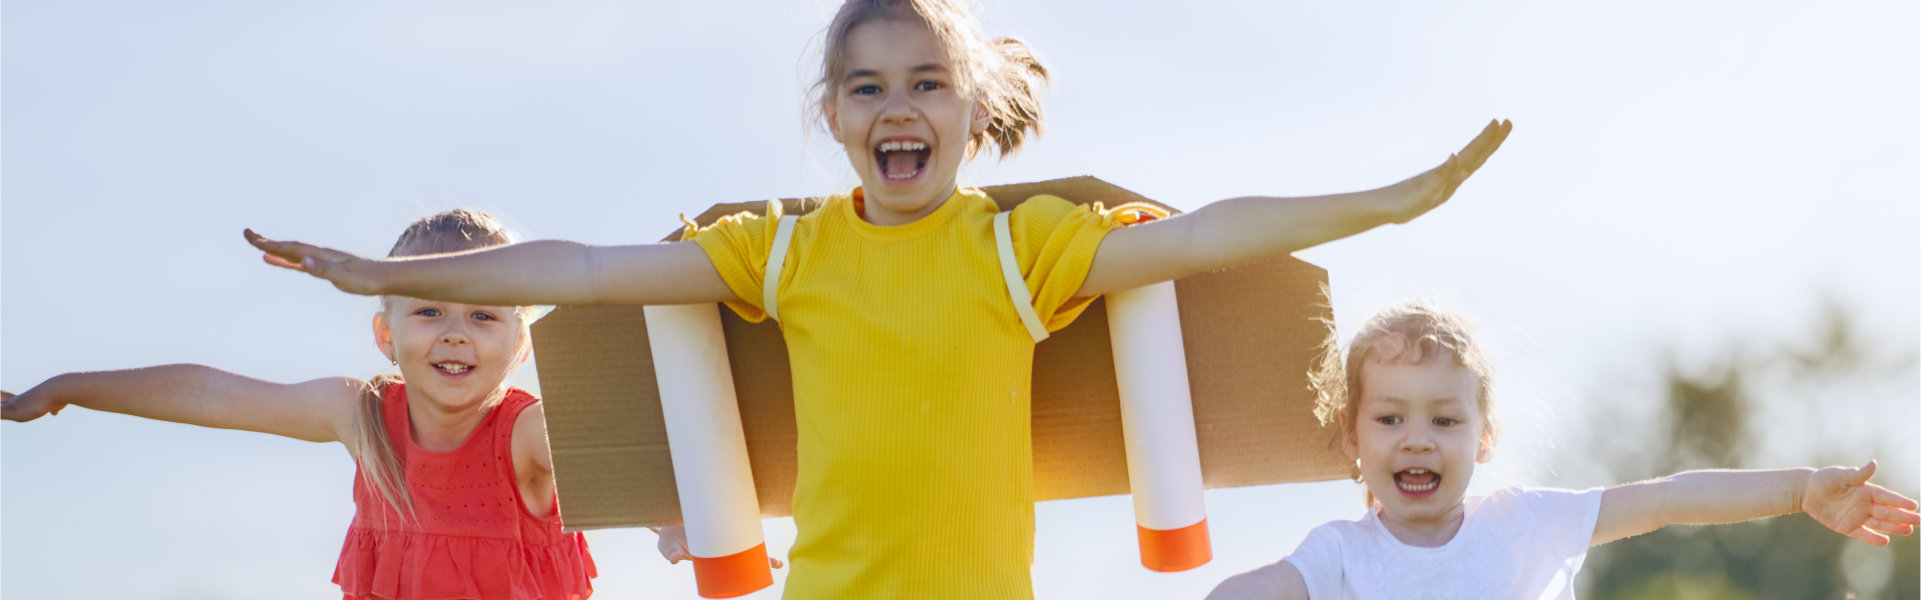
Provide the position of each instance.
(859, 73)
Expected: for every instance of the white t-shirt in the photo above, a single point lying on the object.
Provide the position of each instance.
(1515, 543)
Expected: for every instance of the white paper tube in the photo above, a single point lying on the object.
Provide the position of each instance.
(708, 448)
(1157, 420)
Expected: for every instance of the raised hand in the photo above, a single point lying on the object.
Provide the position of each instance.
(1421, 193)
(1842, 499)
(28, 406)
(352, 274)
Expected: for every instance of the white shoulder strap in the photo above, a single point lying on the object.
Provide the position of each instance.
(1016, 286)
(776, 258)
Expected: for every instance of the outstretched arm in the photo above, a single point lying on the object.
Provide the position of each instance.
(1839, 497)
(528, 273)
(1278, 581)
(316, 411)
(1242, 230)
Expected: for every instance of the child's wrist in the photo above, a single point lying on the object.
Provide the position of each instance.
(1804, 479)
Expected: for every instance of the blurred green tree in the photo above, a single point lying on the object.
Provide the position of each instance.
(1707, 425)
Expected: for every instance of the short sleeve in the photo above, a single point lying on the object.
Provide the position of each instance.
(1055, 241)
(738, 246)
(1564, 518)
(1318, 559)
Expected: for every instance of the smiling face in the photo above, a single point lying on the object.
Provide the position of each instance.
(898, 112)
(455, 356)
(1417, 435)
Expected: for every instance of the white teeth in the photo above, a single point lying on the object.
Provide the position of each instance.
(899, 146)
(1436, 482)
(454, 368)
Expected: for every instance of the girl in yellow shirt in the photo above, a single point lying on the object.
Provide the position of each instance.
(911, 367)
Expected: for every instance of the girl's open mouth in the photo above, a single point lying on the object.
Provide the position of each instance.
(453, 369)
(1417, 481)
(901, 161)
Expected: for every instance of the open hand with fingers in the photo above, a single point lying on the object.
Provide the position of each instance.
(350, 273)
(1421, 193)
(1842, 499)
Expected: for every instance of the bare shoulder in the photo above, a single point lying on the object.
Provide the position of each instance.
(325, 409)
(530, 438)
(1278, 581)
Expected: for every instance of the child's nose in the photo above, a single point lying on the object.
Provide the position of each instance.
(898, 110)
(1416, 442)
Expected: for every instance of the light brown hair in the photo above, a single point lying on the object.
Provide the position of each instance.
(1002, 74)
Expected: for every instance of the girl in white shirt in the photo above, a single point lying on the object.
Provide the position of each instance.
(1412, 400)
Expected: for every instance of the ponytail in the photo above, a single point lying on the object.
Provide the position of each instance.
(380, 465)
(1011, 94)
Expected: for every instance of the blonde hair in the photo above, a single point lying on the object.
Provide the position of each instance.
(456, 230)
(1411, 333)
(1002, 73)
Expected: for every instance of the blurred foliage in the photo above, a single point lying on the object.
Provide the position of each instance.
(1706, 412)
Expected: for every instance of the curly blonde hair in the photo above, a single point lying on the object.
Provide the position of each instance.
(1413, 333)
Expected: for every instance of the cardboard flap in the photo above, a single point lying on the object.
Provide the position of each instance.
(1250, 334)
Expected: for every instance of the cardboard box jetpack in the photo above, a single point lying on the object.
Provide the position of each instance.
(1250, 335)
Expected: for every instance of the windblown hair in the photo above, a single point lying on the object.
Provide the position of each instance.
(457, 230)
(1002, 74)
(1411, 333)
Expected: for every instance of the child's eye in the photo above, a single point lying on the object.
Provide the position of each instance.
(1388, 419)
(484, 316)
(865, 90)
(928, 86)
(1446, 421)
(428, 312)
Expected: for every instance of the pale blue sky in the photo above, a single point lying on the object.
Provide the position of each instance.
(1680, 178)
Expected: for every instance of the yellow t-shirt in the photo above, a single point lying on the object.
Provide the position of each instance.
(912, 375)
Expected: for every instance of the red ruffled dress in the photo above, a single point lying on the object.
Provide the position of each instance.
(472, 537)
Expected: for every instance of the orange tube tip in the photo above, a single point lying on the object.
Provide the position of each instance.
(736, 574)
(1171, 550)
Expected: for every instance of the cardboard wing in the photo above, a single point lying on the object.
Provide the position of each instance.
(1250, 332)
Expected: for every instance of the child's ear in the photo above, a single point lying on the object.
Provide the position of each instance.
(981, 119)
(1348, 444)
(384, 337)
(526, 350)
(832, 114)
(1486, 453)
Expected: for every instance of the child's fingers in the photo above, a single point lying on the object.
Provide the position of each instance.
(1477, 152)
(291, 252)
(775, 562)
(280, 262)
(1886, 497)
(1860, 476)
(1885, 527)
(1866, 535)
(1893, 507)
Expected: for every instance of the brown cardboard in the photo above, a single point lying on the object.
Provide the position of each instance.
(1251, 333)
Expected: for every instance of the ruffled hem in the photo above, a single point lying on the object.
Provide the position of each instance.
(420, 566)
